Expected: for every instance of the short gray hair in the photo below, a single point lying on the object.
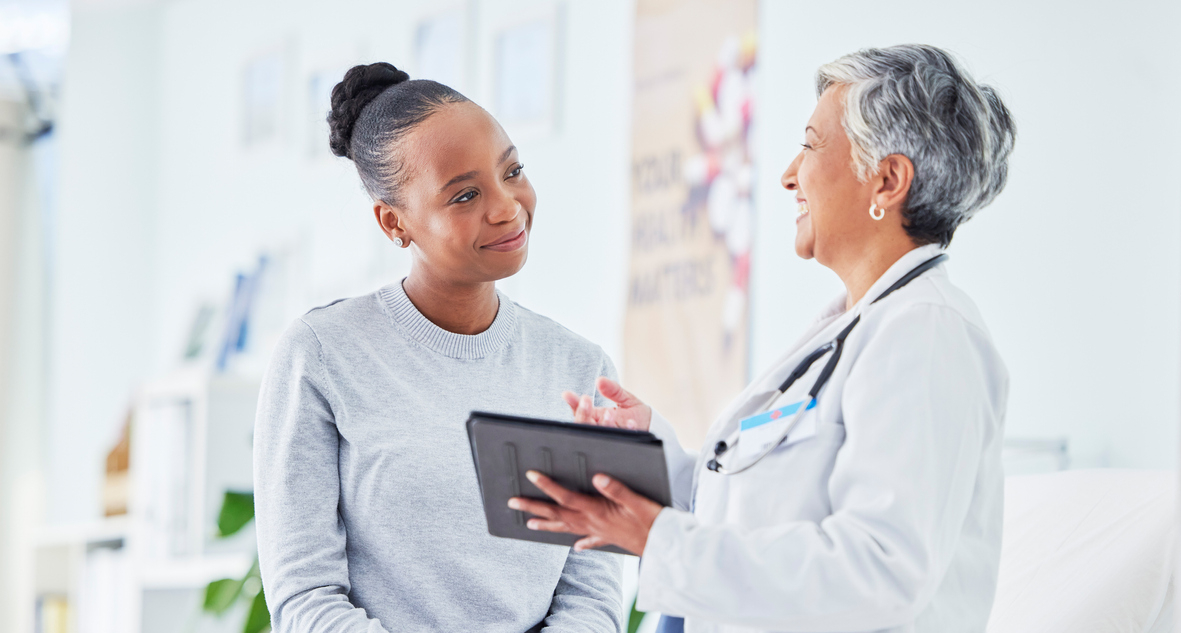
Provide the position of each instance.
(918, 101)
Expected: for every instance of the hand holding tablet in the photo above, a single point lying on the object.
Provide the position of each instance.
(568, 456)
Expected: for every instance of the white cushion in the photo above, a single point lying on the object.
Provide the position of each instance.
(1087, 551)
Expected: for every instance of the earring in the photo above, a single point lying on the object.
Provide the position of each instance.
(398, 242)
(876, 213)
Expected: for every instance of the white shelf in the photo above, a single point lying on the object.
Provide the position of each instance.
(194, 572)
(191, 441)
(103, 531)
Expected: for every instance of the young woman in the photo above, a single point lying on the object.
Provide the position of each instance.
(369, 515)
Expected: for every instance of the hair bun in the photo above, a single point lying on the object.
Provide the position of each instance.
(361, 84)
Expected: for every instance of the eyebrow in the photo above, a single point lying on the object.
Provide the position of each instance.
(460, 178)
(472, 174)
(810, 128)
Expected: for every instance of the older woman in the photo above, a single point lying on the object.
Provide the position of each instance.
(857, 485)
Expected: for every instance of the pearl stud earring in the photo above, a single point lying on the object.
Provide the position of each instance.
(398, 242)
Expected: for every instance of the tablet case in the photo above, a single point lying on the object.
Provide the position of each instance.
(505, 446)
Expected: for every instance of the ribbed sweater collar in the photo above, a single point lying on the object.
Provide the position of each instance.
(463, 346)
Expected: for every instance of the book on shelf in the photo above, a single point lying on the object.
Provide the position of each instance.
(52, 614)
(103, 595)
(164, 482)
(117, 482)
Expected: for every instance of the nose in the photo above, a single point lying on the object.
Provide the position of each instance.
(504, 207)
(789, 178)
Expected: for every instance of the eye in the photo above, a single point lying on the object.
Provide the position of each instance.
(515, 171)
(805, 146)
(466, 196)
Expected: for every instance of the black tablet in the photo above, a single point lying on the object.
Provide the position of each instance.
(504, 447)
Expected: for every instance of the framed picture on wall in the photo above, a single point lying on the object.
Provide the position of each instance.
(441, 50)
(527, 69)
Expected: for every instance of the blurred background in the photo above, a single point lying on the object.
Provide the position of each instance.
(168, 204)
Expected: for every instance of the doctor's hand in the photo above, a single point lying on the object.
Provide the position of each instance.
(621, 517)
(628, 412)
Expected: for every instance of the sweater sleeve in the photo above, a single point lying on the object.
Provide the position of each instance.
(588, 597)
(301, 537)
(918, 406)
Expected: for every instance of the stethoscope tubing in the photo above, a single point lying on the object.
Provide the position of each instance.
(836, 346)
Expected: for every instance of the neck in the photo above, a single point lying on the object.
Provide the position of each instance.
(869, 265)
(462, 308)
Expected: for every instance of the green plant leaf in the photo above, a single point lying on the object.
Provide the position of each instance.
(259, 619)
(254, 572)
(220, 595)
(636, 618)
(237, 509)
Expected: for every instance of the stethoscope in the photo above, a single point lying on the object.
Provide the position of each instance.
(836, 346)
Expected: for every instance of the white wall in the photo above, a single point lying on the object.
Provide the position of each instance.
(22, 389)
(102, 299)
(162, 204)
(11, 172)
(1077, 265)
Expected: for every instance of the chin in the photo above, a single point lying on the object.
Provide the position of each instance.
(514, 267)
(805, 248)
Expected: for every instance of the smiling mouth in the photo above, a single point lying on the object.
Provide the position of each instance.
(801, 209)
(510, 243)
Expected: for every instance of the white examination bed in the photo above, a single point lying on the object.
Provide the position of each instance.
(1088, 551)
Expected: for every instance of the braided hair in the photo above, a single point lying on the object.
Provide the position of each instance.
(373, 107)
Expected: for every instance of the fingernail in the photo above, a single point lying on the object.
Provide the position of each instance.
(514, 504)
(631, 424)
(532, 525)
(532, 475)
(601, 481)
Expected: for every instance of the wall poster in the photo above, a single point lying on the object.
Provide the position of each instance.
(686, 326)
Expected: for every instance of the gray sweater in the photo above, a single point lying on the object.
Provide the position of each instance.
(369, 515)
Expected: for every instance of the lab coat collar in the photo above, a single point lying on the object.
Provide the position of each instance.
(905, 264)
(827, 323)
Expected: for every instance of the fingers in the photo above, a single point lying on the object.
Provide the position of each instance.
(534, 507)
(616, 491)
(615, 393)
(583, 407)
(564, 497)
(589, 542)
(571, 399)
(619, 419)
(547, 526)
(584, 410)
(585, 413)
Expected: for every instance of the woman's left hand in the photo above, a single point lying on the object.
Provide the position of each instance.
(620, 517)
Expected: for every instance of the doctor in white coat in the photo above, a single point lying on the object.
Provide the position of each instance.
(868, 495)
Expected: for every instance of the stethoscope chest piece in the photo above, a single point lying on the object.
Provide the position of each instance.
(719, 449)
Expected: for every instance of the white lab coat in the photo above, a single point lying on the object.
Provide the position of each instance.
(880, 513)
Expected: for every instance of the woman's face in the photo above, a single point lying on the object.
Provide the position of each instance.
(466, 207)
(833, 204)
